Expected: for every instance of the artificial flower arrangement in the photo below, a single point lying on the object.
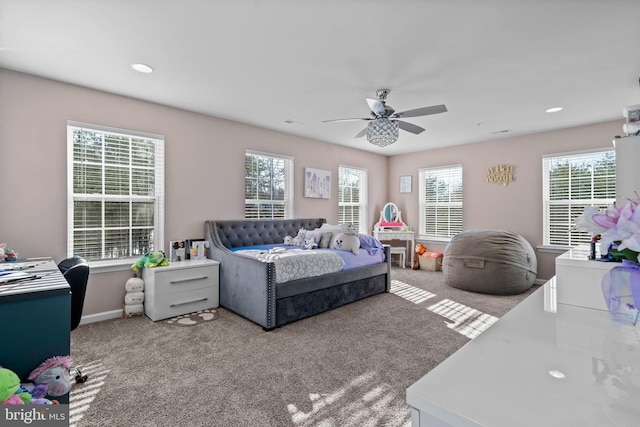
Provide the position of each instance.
(619, 228)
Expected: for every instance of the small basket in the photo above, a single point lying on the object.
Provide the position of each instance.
(430, 261)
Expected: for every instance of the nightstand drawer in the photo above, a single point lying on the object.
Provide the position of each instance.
(165, 306)
(183, 280)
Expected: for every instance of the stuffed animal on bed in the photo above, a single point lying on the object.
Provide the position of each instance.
(288, 240)
(309, 244)
(299, 239)
(347, 242)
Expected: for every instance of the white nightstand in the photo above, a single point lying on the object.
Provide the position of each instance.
(180, 288)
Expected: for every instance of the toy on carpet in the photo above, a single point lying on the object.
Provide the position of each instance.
(150, 260)
(419, 250)
(54, 373)
(9, 384)
(134, 297)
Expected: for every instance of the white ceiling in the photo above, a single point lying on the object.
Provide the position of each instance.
(496, 64)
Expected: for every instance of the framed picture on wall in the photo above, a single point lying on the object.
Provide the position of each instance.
(405, 184)
(317, 183)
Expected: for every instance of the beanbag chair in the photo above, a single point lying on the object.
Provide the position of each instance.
(490, 261)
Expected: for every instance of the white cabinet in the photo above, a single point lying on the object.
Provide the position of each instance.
(627, 171)
(578, 279)
(180, 288)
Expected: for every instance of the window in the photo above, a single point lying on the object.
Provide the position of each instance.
(352, 197)
(268, 186)
(115, 192)
(570, 183)
(441, 201)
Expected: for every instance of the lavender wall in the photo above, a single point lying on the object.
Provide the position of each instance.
(518, 205)
(204, 168)
(205, 171)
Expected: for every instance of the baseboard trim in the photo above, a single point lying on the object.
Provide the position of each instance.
(99, 317)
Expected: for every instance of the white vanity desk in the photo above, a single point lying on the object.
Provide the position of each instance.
(391, 227)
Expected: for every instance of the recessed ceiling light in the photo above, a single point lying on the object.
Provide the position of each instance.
(142, 68)
(554, 109)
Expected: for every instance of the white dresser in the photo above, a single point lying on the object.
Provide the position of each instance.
(180, 288)
(579, 279)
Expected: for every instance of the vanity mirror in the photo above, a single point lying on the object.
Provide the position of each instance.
(390, 216)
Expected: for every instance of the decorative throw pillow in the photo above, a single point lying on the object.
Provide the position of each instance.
(325, 239)
(347, 242)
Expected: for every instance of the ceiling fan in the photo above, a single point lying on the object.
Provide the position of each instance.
(383, 124)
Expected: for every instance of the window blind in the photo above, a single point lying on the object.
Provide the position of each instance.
(440, 201)
(268, 186)
(352, 197)
(115, 192)
(572, 182)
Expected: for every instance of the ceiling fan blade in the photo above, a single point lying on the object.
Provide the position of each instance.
(347, 120)
(424, 111)
(376, 106)
(409, 127)
(362, 133)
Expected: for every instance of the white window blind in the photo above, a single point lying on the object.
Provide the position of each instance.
(570, 183)
(268, 186)
(441, 201)
(352, 197)
(115, 192)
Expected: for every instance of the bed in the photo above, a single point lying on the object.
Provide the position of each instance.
(249, 252)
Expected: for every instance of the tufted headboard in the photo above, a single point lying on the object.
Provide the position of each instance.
(239, 233)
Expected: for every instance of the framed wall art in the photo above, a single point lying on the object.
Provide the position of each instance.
(317, 183)
(405, 184)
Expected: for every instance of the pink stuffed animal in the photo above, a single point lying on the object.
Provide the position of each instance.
(54, 373)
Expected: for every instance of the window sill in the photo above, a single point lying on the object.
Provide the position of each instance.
(554, 249)
(109, 266)
(433, 239)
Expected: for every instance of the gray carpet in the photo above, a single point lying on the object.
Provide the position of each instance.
(347, 367)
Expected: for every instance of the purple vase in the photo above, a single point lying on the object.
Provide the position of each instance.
(621, 291)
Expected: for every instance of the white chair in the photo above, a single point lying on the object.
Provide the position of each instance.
(402, 251)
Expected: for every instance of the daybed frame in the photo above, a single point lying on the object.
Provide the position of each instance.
(248, 287)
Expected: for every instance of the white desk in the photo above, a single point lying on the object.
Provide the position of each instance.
(406, 236)
(505, 377)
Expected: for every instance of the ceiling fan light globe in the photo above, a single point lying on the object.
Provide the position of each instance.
(382, 132)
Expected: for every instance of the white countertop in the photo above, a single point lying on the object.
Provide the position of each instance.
(508, 376)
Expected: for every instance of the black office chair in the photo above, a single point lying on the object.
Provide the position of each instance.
(76, 271)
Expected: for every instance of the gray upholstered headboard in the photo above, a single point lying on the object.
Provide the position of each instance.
(239, 233)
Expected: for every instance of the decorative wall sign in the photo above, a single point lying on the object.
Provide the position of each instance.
(501, 174)
(317, 183)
